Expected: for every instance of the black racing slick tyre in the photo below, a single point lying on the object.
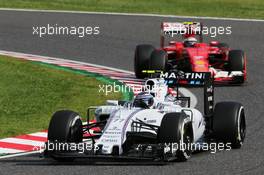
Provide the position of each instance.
(229, 123)
(236, 60)
(142, 59)
(65, 127)
(176, 128)
(158, 60)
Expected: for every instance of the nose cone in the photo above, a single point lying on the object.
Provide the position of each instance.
(198, 59)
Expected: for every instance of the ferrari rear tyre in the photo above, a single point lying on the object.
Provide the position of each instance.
(158, 60)
(176, 128)
(236, 60)
(142, 59)
(229, 123)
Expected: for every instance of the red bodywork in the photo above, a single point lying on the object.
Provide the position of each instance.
(202, 57)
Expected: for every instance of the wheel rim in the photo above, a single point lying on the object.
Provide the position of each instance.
(241, 130)
(242, 127)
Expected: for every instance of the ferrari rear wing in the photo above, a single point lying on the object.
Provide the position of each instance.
(186, 29)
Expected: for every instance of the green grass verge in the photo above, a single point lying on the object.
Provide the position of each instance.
(30, 93)
(217, 8)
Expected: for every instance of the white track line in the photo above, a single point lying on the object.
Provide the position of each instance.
(132, 14)
(18, 54)
(40, 134)
(8, 150)
(19, 154)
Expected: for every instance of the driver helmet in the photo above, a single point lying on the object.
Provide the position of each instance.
(144, 100)
(190, 41)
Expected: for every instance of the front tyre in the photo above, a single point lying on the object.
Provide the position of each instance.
(229, 123)
(142, 59)
(65, 127)
(176, 128)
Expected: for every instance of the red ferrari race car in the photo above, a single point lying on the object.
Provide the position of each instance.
(191, 55)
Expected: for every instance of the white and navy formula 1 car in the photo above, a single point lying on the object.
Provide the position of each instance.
(156, 125)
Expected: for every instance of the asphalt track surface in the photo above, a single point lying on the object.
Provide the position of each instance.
(114, 47)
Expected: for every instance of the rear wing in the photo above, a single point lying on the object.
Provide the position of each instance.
(174, 78)
(186, 29)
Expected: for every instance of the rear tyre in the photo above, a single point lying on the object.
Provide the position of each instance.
(66, 127)
(229, 123)
(142, 59)
(158, 60)
(177, 128)
(236, 60)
